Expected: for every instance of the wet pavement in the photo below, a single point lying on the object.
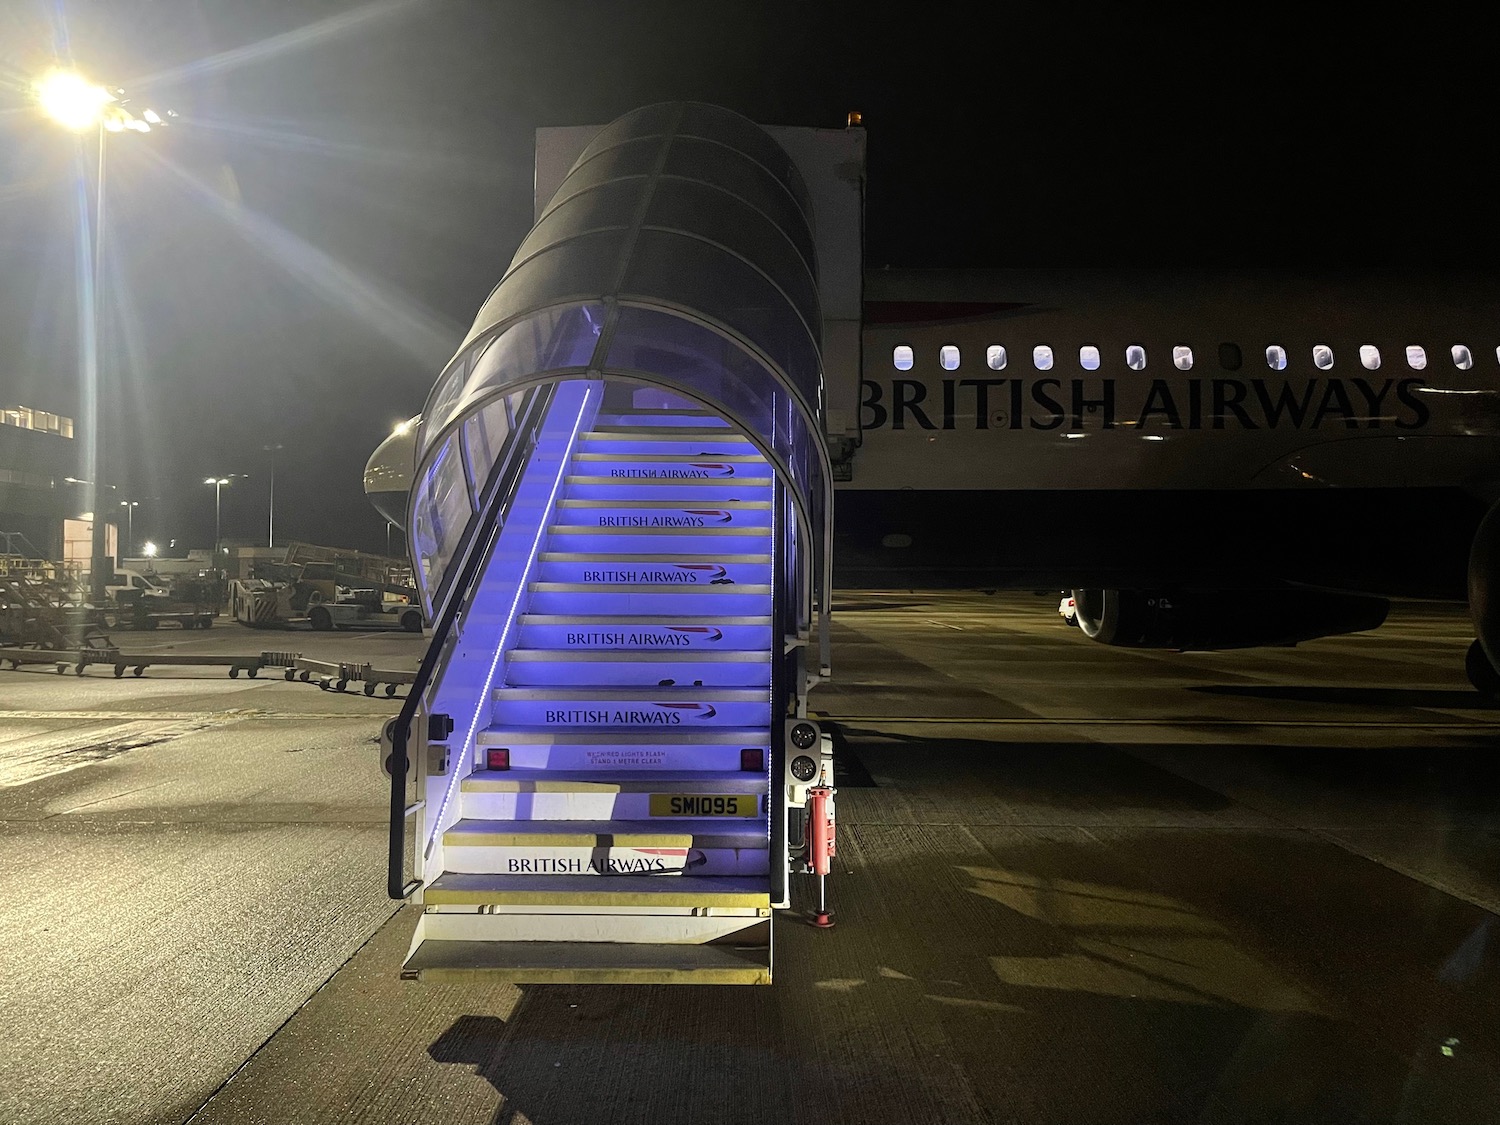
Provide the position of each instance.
(1074, 884)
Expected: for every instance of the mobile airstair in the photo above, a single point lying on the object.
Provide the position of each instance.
(620, 518)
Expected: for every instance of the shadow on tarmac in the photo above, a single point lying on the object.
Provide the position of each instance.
(1168, 966)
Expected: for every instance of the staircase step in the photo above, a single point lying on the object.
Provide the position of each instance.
(637, 667)
(695, 493)
(595, 924)
(747, 471)
(735, 462)
(665, 513)
(748, 834)
(606, 430)
(538, 962)
(644, 631)
(538, 751)
(679, 421)
(632, 709)
(606, 848)
(664, 441)
(578, 597)
(577, 795)
(653, 569)
(727, 892)
(713, 540)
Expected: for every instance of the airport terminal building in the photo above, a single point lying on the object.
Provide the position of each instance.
(38, 494)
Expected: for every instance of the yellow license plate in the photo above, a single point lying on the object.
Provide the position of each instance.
(704, 804)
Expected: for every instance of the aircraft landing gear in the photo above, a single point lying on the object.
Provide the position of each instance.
(1481, 672)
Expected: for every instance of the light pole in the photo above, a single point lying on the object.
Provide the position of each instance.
(271, 522)
(130, 506)
(78, 105)
(219, 483)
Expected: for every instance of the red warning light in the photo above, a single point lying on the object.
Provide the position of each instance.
(497, 759)
(752, 759)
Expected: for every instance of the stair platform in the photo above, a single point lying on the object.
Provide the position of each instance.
(599, 834)
(724, 892)
(584, 781)
(547, 962)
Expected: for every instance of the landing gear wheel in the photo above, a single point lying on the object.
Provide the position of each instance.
(1481, 672)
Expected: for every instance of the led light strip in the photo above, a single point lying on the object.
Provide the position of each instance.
(542, 524)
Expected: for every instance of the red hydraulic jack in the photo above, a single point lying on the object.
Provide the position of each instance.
(820, 849)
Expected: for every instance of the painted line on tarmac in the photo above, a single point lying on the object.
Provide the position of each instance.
(1044, 721)
(233, 714)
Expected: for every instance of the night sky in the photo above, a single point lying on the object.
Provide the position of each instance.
(293, 261)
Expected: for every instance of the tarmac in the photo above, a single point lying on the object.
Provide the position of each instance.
(1074, 884)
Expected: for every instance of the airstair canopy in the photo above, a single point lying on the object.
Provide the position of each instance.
(677, 256)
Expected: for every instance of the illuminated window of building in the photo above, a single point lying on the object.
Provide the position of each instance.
(1041, 356)
(1088, 357)
(948, 357)
(994, 355)
(1135, 357)
(1229, 357)
(1462, 359)
(1416, 357)
(1276, 357)
(41, 421)
(1182, 357)
(1322, 357)
(1369, 355)
(902, 357)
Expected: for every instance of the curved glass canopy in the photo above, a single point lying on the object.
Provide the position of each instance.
(676, 253)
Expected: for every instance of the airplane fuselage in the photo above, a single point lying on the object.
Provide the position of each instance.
(1219, 433)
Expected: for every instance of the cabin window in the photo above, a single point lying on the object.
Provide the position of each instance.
(1135, 357)
(1041, 356)
(1088, 357)
(902, 357)
(994, 355)
(1229, 357)
(1182, 357)
(948, 357)
(1461, 357)
(1322, 357)
(1369, 355)
(1276, 357)
(1416, 357)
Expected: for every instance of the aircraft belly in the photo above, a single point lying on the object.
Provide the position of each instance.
(1410, 542)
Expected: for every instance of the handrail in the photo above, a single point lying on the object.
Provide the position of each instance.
(510, 463)
(782, 566)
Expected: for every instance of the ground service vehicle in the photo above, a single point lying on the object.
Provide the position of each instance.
(604, 769)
